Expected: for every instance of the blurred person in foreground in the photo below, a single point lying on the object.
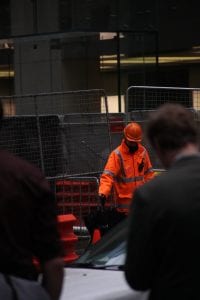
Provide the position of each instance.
(163, 250)
(127, 168)
(28, 231)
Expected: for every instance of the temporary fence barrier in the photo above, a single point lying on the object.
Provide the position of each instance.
(65, 134)
(78, 195)
(62, 133)
(142, 100)
(146, 98)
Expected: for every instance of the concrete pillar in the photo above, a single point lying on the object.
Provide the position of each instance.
(34, 16)
(37, 66)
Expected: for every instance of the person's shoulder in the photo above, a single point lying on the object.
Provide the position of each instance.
(141, 151)
(142, 148)
(117, 150)
(7, 158)
(14, 164)
(157, 185)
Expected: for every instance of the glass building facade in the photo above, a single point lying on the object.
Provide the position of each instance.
(61, 45)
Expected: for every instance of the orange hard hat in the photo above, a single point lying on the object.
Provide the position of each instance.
(133, 132)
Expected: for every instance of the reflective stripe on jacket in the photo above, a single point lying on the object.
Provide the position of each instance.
(125, 173)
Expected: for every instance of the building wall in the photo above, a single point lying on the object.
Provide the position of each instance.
(35, 66)
(33, 17)
(45, 61)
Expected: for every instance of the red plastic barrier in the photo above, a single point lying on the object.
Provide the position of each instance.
(76, 197)
(96, 236)
(68, 238)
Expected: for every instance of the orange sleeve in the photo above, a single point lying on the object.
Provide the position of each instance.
(111, 170)
(148, 169)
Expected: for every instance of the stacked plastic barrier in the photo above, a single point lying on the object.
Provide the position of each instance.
(77, 196)
(68, 238)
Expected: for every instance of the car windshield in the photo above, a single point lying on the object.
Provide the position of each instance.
(109, 251)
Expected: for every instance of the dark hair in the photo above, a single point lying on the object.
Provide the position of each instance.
(1, 113)
(171, 127)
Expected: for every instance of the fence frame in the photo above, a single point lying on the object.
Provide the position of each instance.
(35, 98)
(151, 88)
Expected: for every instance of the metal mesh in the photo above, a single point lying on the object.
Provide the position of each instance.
(82, 101)
(141, 100)
(62, 133)
(149, 98)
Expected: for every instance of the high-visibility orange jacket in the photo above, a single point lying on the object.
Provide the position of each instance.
(125, 171)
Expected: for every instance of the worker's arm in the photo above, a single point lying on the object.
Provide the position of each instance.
(148, 169)
(53, 277)
(111, 170)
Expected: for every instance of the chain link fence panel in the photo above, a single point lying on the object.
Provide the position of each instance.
(142, 100)
(62, 133)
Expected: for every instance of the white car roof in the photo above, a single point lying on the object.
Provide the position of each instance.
(94, 284)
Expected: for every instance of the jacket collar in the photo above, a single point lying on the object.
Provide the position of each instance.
(126, 149)
(184, 158)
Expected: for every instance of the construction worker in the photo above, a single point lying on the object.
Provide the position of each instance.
(127, 168)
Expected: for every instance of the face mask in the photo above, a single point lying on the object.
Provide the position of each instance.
(133, 149)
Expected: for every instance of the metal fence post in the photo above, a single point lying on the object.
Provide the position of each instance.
(39, 134)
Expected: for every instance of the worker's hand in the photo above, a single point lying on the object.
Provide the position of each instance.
(102, 199)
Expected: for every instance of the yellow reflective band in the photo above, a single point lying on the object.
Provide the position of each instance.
(109, 173)
(128, 180)
(148, 171)
(123, 205)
